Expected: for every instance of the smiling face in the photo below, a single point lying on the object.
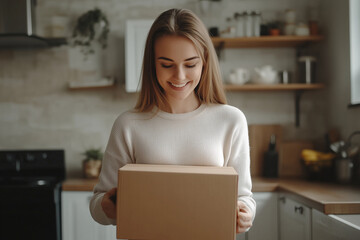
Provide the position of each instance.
(178, 70)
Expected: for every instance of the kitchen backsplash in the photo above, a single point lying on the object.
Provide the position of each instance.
(38, 110)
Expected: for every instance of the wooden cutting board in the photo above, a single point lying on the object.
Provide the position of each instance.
(290, 158)
(259, 136)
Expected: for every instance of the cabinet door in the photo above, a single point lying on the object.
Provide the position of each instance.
(77, 223)
(241, 236)
(329, 228)
(265, 225)
(295, 220)
(135, 37)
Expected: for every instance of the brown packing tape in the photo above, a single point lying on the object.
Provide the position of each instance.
(259, 137)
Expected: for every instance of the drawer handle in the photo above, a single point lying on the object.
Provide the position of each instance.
(300, 209)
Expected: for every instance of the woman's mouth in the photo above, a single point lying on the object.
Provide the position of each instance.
(178, 85)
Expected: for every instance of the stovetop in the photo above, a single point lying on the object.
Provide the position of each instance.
(34, 167)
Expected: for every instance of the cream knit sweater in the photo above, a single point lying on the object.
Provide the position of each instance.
(211, 135)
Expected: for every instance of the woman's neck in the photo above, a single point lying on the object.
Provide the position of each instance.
(184, 105)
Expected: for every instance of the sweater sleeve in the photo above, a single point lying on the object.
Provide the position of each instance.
(239, 159)
(117, 154)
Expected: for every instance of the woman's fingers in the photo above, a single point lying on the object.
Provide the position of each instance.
(108, 205)
(111, 192)
(244, 218)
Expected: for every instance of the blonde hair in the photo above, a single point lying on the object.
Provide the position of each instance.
(180, 22)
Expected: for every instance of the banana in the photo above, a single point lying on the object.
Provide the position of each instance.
(310, 155)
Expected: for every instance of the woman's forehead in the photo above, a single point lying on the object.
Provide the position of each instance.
(177, 48)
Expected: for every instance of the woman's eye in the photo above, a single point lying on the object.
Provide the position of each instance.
(166, 66)
(190, 66)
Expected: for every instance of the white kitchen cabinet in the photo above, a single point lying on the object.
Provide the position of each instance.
(77, 223)
(241, 236)
(331, 227)
(294, 219)
(265, 225)
(135, 38)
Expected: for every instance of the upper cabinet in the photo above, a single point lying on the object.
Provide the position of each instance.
(135, 38)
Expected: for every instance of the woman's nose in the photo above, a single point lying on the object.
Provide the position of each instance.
(179, 73)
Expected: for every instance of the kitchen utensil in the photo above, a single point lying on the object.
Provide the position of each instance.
(345, 148)
(352, 151)
(337, 146)
(307, 69)
(344, 167)
(344, 163)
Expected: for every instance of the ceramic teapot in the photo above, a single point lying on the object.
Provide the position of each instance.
(265, 75)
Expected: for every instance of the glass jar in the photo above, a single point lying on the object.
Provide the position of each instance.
(248, 24)
(230, 23)
(256, 21)
(240, 21)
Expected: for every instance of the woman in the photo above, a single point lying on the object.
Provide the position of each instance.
(181, 116)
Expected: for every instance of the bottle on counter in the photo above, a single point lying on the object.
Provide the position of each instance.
(271, 160)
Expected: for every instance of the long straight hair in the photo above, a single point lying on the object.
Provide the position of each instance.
(180, 22)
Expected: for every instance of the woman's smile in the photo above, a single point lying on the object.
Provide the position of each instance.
(178, 86)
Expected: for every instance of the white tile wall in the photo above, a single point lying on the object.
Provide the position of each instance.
(37, 110)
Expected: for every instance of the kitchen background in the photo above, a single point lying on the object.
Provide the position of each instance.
(38, 111)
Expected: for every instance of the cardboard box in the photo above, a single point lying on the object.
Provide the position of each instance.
(172, 202)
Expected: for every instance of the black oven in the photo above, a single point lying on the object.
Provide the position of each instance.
(30, 189)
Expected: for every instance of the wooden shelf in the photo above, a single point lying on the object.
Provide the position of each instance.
(90, 88)
(104, 83)
(274, 87)
(296, 42)
(265, 41)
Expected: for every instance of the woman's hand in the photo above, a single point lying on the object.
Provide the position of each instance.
(108, 204)
(243, 217)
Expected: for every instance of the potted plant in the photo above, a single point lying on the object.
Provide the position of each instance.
(92, 27)
(92, 162)
(274, 28)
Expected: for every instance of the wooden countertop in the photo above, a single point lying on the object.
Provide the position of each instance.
(326, 197)
(79, 184)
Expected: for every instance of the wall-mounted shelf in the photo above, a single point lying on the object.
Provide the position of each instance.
(265, 41)
(281, 41)
(274, 87)
(299, 88)
(104, 83)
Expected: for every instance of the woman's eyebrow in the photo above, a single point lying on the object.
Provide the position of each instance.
(169, 59)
